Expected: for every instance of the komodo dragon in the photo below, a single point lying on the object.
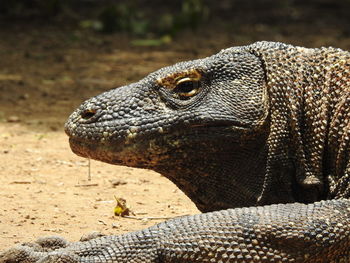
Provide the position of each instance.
(260, 132)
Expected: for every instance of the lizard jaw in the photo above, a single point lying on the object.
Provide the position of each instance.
(118, 153)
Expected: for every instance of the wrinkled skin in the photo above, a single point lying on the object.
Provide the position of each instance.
(250, 126)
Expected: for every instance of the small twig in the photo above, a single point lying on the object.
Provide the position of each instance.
(150, 218)
(85, 185)
(89, 170)
(21, 182)
(102, 222)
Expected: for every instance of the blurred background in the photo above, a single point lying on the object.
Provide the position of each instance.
(56, 53)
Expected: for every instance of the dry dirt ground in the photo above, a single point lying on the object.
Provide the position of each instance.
(45, 73)
(45, 191)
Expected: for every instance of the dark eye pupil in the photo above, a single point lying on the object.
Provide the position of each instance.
(185, 87)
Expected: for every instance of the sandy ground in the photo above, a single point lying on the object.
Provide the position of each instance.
(45, 190)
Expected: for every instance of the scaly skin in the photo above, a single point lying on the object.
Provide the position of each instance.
(248, 127)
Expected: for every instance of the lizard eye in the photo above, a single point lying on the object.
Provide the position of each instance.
(186, 88)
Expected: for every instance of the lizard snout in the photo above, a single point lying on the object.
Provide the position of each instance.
(88, 113)
(85, 115)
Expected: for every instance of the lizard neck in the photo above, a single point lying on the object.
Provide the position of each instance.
(234, 173)
(305, 92)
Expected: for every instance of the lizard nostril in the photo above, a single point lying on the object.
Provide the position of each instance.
(88, 114)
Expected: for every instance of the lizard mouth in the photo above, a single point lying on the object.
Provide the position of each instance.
(148, 150)
(114, 154)
(81, 148)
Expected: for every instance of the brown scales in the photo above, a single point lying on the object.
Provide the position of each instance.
(313, 88)
(171, 80)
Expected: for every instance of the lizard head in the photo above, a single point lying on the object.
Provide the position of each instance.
(199, 123)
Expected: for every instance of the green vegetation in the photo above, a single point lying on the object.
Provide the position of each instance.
(153, 22)
(156, 22)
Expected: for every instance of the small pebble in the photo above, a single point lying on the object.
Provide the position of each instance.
(13, 118)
